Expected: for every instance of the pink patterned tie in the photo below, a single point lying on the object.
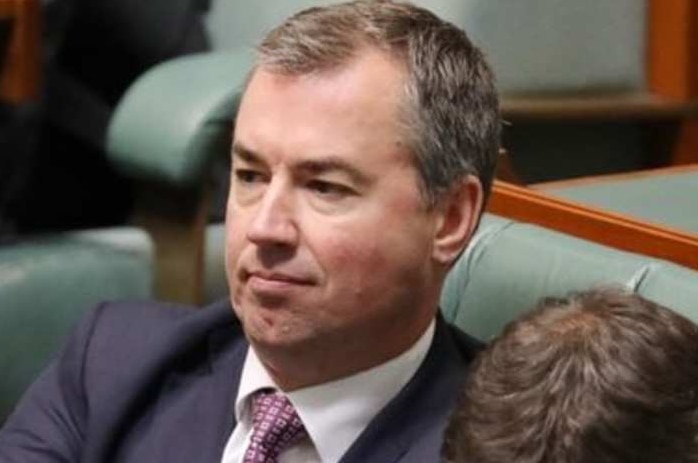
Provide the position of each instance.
(275, 427)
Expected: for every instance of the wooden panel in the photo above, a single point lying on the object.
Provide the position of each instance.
(596, 107)
(593, 224)
(672, 93)
(673, 64)
(19, 81)
(176, 221)
(673, 48)
(672, 75)
(686, 150)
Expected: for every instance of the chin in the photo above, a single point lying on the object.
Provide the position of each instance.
(276, 345)
(269, 328)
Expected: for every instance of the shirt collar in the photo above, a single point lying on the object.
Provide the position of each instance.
(336, 413)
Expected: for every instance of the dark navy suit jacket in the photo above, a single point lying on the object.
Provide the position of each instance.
(140, 382)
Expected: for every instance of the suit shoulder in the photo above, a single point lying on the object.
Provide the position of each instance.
(467, 345)
(144, 311)
(133, 318)
(131, 344)
(138, 331)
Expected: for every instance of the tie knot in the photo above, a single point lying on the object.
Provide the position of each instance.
(276, 426)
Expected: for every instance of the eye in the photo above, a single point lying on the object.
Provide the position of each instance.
(329, 189)
(248, 176)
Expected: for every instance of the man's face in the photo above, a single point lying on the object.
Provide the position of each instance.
(329, 243)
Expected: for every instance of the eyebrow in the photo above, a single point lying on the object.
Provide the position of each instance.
(331, 164)
(323, 165)
(246, 154)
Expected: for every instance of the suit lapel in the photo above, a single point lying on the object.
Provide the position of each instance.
(410, 427)
(228, 360)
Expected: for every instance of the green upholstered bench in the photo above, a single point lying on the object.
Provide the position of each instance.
(46, 283)
(510, 265)
(666, 197)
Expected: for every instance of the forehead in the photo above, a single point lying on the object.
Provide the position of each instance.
(348, 103)
(370, 82)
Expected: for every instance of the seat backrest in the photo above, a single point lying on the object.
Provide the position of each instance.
(557, 46)
(510, 265)
(536, 45)
(47, 283)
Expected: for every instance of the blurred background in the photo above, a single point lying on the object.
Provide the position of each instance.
(116, 117)
(581, 83)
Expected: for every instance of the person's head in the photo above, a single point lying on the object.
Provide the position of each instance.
(364, 145)
(602, 376)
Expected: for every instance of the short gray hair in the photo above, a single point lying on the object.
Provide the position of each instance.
(451, 114)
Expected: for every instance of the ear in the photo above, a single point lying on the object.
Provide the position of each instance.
(458, 215)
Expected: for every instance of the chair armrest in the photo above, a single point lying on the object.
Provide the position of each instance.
(48, 282)
(175, 118)
(594, 224)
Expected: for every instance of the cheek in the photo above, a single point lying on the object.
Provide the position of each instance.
(348, 250)
(234, 241)
(355, 263)
(236, 225)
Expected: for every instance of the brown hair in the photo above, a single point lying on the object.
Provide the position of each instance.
(599, 376)
(451, 112)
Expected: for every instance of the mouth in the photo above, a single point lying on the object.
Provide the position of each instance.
(267, 282)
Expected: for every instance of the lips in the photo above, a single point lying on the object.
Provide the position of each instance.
(266, 282)
(277, 276)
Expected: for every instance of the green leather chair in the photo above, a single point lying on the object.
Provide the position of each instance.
(169, 130)
(667, 197)
(510, 265)
(46, 284)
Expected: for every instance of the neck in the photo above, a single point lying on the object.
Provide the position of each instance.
(298, 367)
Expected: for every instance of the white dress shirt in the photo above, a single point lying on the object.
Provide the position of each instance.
(334, 413)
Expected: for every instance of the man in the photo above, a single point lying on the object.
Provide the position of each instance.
(364, 147)
(601, 376)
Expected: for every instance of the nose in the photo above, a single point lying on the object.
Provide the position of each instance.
(273, 223)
